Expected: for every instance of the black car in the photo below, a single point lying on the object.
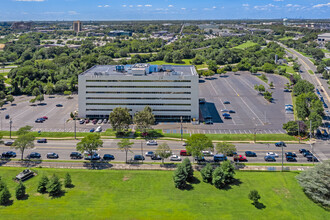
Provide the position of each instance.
(75, 155)
(250, 154)
(291, 159)
(7, 117)
(156, 157)
(52, 155)
(209, 122)
(38, 121)
(59, 105)
(280, 144)
(8, 143)
(9, 154)
(226, 102)
(290, 154)
(302, 150)
(232, 111)
(269, 158)
(108, 157)
(312, 158)
(307, 153)
(43, 140)
(34, 155)
(139, 157)
(227, 117)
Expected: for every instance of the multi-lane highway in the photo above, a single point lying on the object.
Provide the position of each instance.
(64, 147)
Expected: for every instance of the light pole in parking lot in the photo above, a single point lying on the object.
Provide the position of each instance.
(75, 125)
(10, 123)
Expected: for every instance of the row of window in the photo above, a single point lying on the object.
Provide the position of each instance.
(137, 104)
(138, 87)
(100, 92)
(154, 110)
(151, 98)
(138, 80)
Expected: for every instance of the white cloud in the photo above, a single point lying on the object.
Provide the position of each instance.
(289, 5)
(170, 6)
(139, 6)
(322, 5)
(148, 5)
(107, 6)
(29, 0)
(214, 7)
(131, 6)
(183, 8)
(245, 5)
(264, 7)
(124, 6)
(278, 0)
(100, 6)
(73, 12)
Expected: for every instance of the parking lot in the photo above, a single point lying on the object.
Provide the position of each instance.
(252, 112)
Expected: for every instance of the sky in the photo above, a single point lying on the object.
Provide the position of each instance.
(49, 10)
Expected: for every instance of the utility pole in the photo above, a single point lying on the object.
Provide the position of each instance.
(75, 126)
(10, 123)
(181, 128)
(64, 125)
(255, 135)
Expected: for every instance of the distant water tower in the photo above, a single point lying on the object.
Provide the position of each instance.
(285, 22)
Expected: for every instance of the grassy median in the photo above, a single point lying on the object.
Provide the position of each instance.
(114, 194)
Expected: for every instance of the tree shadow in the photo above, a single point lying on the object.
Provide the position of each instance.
(61, 194)
(11, 202)
(259, 205)
(235, 182)
(188, 187)
(97, 166)
(25, 197)
(70, 186)
(201, 81)
(194, 180)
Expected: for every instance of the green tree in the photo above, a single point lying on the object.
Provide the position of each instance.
(296, 67)
(212, 65)
(254, 197)
(42, 184)
(268, 68)
(302, 86)
(206, 173)
(228, 171)
(271, 85)
(218, 178)
(10, 98)
(198, 142)
(36, 92)
(2, 95)
(144, 119)
(164, 151)
(20, 190)
(180, 177)
(54, 186)
(315, 182)
(189, 169)
(67, 181)
(2, 103)
(4, 195)
(125, 145)
(24, 130)
(120, 119)
(225, 148)
(268, 96)
(91, 143)
(23, 142)
(49, 88)
(316, 120)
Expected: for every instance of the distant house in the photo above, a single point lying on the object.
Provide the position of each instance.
(281, 61)
(120, 33)
(21, 26)
(323, 38)
(327, 69)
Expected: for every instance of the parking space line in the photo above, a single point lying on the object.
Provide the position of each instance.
(245, 131)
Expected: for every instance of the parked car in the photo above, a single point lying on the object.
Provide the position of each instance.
(156, 157)
(7, 117)
(207, 153)
(269, 158)
(92, 130)
(209, 122)
(105, 121)
(231, 153)
(108, 157)
(272, 154)
(44, 117)
(43, 140)
(232, 111)
(98, 129)
(52, 155)
(290, 154)
(226, 102)
(94, 157)
(184, 144)
(100, 121)
(9, 154)
(149, 154)
(307, 153)
(225, 114)
(280, 144)
(59, 105)
(94, 121)
(34, 155)
(219, 158)
(227, 117)
(312, 158)
(175, 158)
(152, 142)
(239, 158)
(184, 153)
(202, 101)
(38, 120)
(199, 159)
(286, 90)
(139, 157)
(224, 110)
(250, 154)
(291, 159)
(8, 143)
(75, 155)
(302, 150)
(81, 121)
(87, 121)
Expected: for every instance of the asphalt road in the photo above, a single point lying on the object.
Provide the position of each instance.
(65, 147)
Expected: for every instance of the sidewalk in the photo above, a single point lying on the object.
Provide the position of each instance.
(137, 166)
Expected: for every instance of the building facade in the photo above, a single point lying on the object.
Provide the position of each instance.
(170, 91)
(77, 26)
(323, 38)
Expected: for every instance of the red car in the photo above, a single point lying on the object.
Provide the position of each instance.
(45, 117)
(240, 158)
(87, 121)
(184, 153)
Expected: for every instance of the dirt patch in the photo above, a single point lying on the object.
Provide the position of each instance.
(37, 194)
(126, 178)
(282, 191)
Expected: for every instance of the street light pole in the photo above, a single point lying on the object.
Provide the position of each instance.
(75, 127)
(10, 122)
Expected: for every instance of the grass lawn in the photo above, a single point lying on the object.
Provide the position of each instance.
(114, 194)
(289, 69)
(311, 72)
(325, 51)
(246, 45)
(285, 38)
(161, 62)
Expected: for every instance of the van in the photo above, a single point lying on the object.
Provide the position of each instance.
(219, 157)
(184, 153)
(98, 129)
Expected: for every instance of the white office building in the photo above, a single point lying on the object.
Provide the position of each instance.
(170, 91)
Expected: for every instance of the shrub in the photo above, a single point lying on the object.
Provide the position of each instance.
(20, 191)
(180, 177)
(4, 195)
(67, 180)
(218, 178)
(189, 169)
(228, 171)
(206, 173)
(54, 187)
(42, 185)
(254, 196)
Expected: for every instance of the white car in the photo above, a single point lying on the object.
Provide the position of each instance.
(272, 154)
(175, 158)
(98, 129)
(224, 110)
(184, 144)
(207, 153)
(152, 142)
